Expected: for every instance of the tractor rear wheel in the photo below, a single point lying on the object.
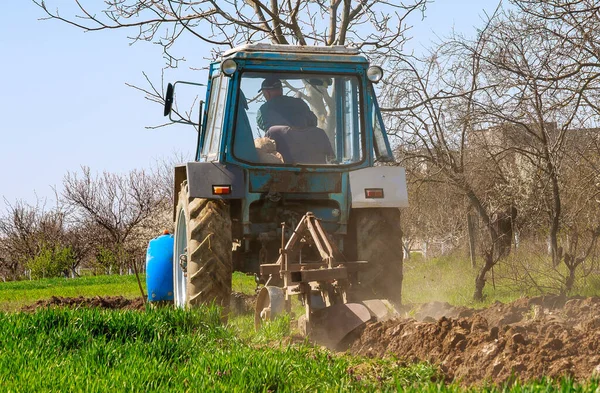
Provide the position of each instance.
(378, 240)
(203, 267)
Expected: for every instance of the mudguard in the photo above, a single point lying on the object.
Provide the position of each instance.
(202, 176)
(390, 179)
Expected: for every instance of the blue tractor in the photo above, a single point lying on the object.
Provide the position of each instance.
(297, 192)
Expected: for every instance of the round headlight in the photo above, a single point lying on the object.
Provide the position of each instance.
(228, 67)
(374, 73)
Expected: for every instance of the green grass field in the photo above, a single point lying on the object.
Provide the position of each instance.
(93, 350)
(171, 350)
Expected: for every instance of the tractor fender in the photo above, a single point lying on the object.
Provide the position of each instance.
(390, 180)
(202, 176)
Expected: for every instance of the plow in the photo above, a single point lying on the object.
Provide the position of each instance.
(325, 287)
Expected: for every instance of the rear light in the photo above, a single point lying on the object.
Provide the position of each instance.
(221, 190)
(374, 193)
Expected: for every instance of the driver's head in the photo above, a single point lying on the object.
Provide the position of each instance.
(271, 87)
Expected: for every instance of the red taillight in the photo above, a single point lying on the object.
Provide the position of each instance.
(221, 190)
(374, 193)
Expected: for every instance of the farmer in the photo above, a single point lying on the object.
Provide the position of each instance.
(281, 110)
(293, 126)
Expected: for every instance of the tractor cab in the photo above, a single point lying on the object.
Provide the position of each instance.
(322, 107)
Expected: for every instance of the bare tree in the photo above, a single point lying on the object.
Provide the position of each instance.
(494, 117)
(581, 213)
(81, 238)
(368, 23)
(26, 230)
(575, 26)
(432, 107)
(162, 171)
(18, 237)
(116, 203)
(533, 89)
(547, 95)
(435, 215)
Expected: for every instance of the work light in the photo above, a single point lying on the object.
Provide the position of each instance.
(374, 73)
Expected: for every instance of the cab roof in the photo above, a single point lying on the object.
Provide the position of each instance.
(336, 53)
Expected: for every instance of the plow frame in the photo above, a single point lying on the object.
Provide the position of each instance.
(331, 278)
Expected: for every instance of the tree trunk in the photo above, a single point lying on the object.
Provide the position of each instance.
(472, 244)
(570, 281)
(137, 276)
(406, 248)
(480, 279)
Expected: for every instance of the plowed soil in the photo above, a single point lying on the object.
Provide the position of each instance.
(110, 302)
(528, 339)
(240, 303)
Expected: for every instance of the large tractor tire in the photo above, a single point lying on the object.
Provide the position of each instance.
(203, 246)
(377, 238)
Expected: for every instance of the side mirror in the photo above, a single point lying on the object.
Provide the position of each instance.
(169, 99)
(189, 96)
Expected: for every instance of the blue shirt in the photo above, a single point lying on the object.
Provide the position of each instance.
(285, 111)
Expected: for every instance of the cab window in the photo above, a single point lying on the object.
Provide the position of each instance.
(214, 121)
(383, 151)
(299, 119)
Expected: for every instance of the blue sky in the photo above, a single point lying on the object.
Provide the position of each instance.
(65, 103)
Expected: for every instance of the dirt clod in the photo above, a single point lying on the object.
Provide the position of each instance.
(527, 339)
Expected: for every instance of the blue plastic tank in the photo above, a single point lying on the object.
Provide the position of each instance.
(159, 269)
